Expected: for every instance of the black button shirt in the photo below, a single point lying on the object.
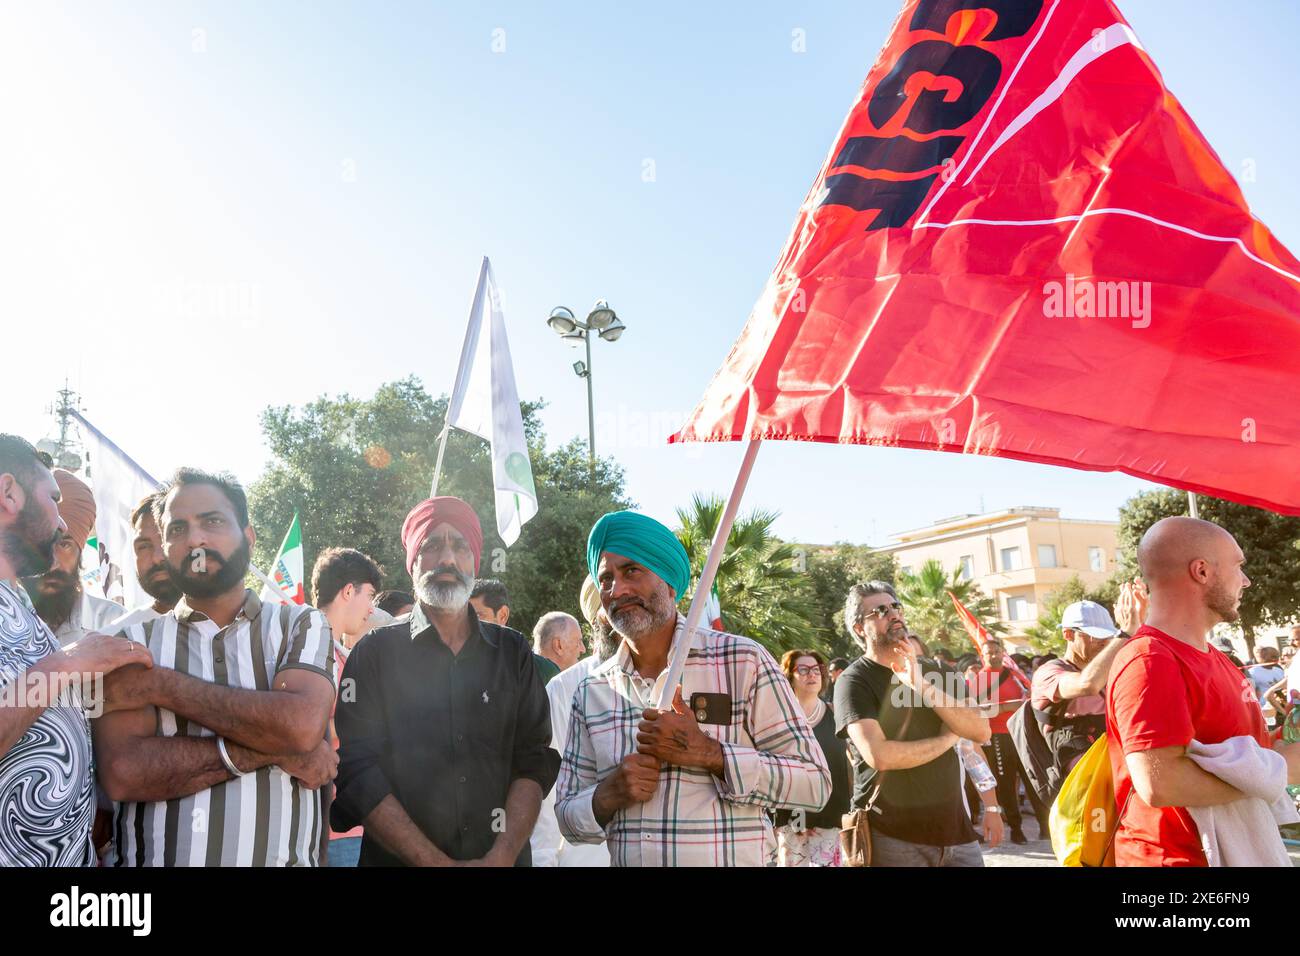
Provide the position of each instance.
(446, 734)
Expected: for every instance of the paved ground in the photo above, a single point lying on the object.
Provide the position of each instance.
(1035, 853)
(1039, 852)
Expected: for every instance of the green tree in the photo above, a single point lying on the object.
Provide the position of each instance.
(761, 587)
(1045, 635)
(1269, 541)
(930, 611)
(354, 467)
(831, 572)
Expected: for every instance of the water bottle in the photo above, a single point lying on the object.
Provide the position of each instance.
(1291, 734)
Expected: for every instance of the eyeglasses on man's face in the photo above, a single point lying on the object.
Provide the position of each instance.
(881, 611)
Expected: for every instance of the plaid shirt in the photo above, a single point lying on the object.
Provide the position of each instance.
(771, 757)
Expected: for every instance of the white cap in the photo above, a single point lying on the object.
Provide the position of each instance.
(1090, 618)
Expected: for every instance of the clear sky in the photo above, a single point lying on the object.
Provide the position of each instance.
(213, 207)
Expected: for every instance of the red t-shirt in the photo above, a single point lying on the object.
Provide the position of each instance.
(1008, 689)
(1165, 693)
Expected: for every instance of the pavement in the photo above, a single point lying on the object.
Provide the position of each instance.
(1038, 852)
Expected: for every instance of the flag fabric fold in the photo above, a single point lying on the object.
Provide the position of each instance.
(1021, 245)
(287, 571)
(118, 485)
(484, 401)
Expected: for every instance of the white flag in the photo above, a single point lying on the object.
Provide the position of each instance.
(118, 484)
(484, 402)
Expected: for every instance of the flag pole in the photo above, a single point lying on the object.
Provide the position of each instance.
(275, 588)
(705, 583)
(442, 447)
(1192, 509)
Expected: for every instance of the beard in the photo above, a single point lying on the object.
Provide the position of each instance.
(160, 587)
(895, 635)
(27, 544)
(54, 594)
(444, 595)
(633, 618)
(604, 641)
(212, 584)
(1223, 600)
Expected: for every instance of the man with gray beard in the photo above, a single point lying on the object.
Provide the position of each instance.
(443, 725)
(686, 785)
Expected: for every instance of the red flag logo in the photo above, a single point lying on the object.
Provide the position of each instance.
(1021, 245)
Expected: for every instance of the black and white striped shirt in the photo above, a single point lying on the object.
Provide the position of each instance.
(265, 818)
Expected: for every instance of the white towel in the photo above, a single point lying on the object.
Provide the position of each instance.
(1244, 832)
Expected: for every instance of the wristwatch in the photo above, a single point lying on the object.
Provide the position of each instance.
(997, 810)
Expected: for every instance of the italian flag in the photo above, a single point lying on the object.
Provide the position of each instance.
(287, 570)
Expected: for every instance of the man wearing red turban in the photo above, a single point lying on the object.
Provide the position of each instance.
(446, 710)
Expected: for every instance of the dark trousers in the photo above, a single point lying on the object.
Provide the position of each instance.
(1005, 764)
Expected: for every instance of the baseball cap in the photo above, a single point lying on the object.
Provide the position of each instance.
(1089, 617)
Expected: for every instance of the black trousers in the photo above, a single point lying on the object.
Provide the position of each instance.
(1005, 764)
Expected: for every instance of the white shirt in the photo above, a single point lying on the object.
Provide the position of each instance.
(548, 846)
(89, 615)
(1293, 676)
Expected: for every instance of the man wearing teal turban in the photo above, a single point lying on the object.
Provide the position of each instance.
(645, 541)
(685, 786)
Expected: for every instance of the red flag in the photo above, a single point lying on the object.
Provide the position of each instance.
(1020, 245)
(978, 635)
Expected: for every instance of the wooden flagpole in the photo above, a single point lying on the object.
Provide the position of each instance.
(705, 584)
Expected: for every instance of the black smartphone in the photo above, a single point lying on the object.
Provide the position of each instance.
(711, 708)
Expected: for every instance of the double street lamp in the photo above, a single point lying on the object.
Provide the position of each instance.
(602, 321)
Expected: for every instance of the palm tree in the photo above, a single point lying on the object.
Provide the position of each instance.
(930, 612)
(761, 584)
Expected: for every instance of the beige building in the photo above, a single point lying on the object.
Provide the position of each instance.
(1017, 556)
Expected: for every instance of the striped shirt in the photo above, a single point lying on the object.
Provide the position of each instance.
(770, 755)
(264, 818)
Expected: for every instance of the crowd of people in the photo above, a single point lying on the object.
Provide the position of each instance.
(379, 727)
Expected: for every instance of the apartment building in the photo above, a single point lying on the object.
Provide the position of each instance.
(1017, 556)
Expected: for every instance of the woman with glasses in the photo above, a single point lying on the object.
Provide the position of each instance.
(813, 839)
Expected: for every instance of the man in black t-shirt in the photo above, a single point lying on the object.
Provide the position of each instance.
(903, 719)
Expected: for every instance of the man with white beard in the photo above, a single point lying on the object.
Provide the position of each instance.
(443, 725)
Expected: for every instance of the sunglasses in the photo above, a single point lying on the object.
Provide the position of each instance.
(883, 610)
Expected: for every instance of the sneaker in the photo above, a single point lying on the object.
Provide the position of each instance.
(1018, 836)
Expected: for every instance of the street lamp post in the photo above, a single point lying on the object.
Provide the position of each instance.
(603, 321)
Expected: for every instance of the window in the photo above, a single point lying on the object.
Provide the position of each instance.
(1047, 555)
(904, 569)
(1010, 559)
(967, 567)
(1097, 559)
(1017, 609)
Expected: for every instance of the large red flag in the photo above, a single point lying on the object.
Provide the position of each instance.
(1020, 245)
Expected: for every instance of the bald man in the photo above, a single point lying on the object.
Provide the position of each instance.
(1169, 686)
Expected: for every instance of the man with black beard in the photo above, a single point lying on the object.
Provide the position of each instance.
(444, 731)
(47, 794)
(681, 786)
(150, 567)
(229, 729)
(903, 721)
(57, 595)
